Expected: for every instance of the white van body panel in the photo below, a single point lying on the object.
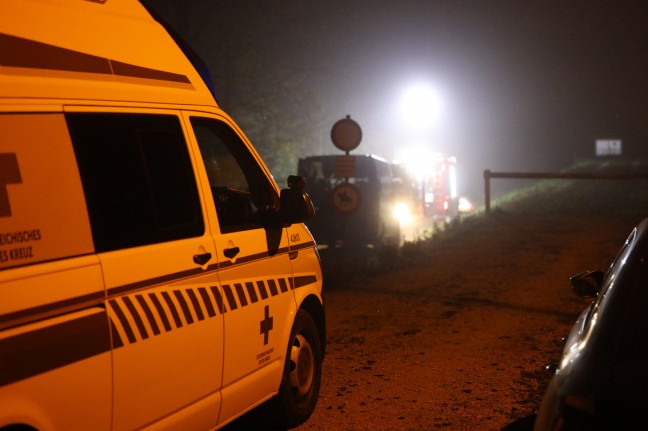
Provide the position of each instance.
(108, 333)
(45, 401)
(85, 50)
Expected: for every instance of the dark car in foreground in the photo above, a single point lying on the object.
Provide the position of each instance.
(602, 380)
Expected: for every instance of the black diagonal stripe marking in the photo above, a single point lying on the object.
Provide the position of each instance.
(116, 338)
(262, 289)
(230, 297)
(160, 311)
(135, 315)
(283, 285)
(149, 314)
(196, 304)
(241, 294)
(219, 299)
(273, 287)
(207, 300)
(172, 308)
(22, 356)
(183, 306)
(251, 291)
(123, 320)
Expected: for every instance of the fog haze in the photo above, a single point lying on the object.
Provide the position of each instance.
(524, 85)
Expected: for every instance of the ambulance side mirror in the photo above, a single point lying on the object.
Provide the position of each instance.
(296, 206)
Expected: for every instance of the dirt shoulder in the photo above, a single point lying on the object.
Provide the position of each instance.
(455, 333)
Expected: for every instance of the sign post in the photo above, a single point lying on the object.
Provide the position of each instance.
(346, 135)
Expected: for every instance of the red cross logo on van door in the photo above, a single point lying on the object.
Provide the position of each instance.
(9, 174)
(266, 325)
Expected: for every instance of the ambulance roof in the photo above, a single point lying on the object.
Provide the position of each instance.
(110, 50)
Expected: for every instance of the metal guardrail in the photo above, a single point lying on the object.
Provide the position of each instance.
(552, 175)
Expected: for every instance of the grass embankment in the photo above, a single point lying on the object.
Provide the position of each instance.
(567, 205)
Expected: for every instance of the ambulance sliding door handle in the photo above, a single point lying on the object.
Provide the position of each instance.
(201, 259)
(231, 253)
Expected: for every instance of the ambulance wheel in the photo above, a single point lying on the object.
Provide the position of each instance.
(300, 383)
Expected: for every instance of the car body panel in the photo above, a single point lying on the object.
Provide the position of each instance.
(603, 373)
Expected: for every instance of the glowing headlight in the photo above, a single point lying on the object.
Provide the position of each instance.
(403, 213)
(465, 205)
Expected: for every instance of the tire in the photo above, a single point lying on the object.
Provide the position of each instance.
(302, 375)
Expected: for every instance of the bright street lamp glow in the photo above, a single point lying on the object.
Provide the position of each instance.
(416, 159)
(420, 107)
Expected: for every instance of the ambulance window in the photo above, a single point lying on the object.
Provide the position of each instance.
(137, 178)
(240, 188)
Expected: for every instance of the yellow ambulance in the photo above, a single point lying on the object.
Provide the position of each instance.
(152, 274)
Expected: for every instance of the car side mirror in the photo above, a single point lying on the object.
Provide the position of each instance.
(587, 284)
(296, 206)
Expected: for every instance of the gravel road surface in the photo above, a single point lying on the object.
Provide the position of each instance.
(455, 333)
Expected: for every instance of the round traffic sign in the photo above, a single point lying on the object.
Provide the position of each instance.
(346, 198)
(346, 134)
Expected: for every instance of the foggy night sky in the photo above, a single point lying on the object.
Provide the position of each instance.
(526, 85)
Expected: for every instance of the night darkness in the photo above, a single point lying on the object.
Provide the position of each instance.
(525, 85)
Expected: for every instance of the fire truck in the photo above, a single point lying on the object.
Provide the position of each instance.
(439, 188)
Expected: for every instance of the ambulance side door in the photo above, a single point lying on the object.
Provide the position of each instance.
(158, 260)
(254, 265)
